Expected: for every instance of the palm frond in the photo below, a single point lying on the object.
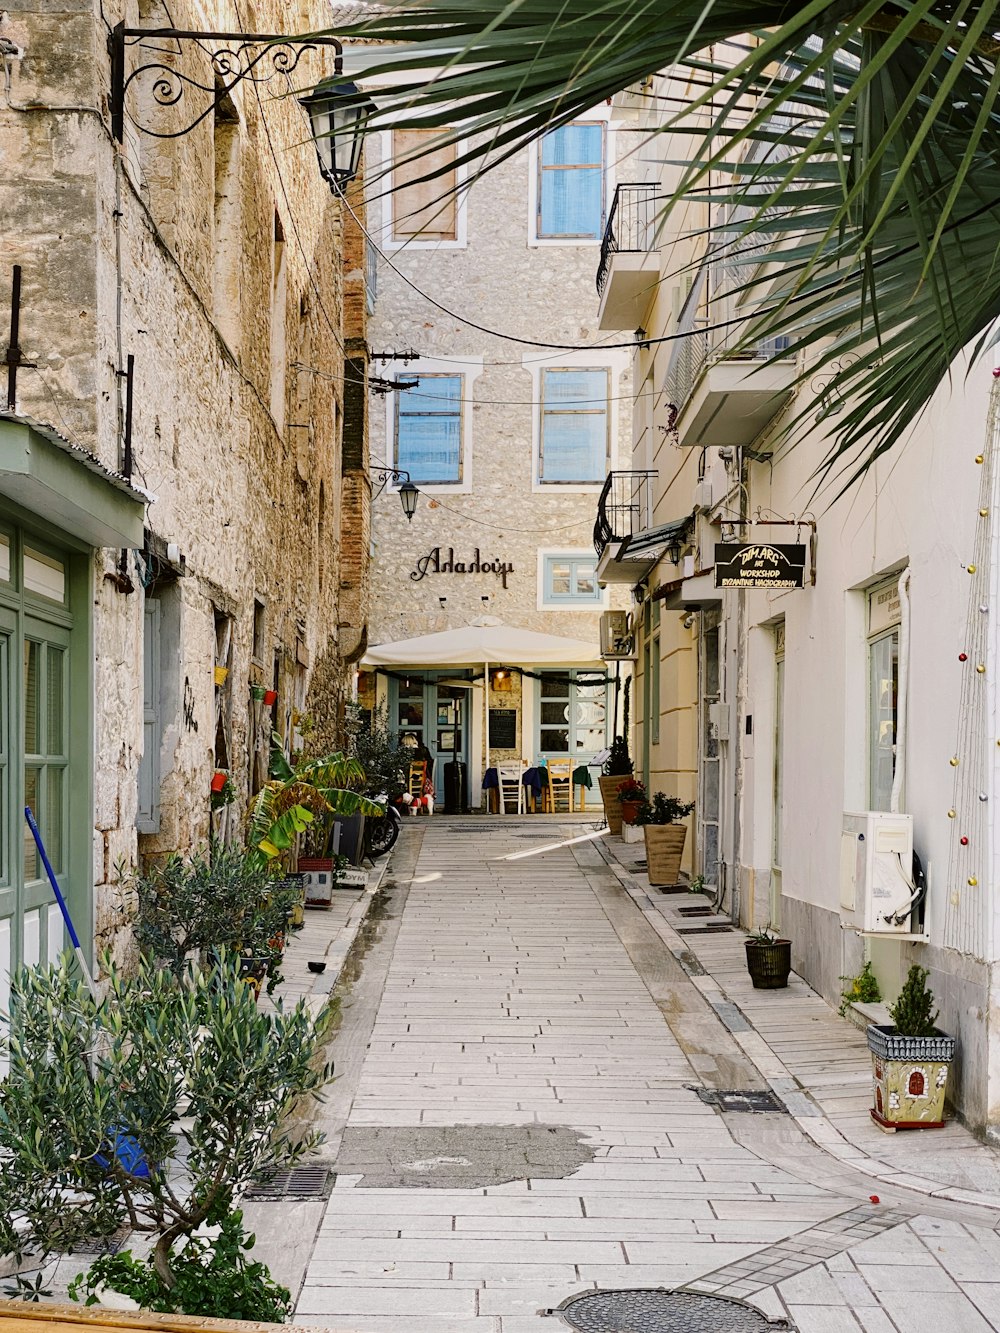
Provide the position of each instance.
(869, 151)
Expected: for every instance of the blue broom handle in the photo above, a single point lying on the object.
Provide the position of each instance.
(52, 877)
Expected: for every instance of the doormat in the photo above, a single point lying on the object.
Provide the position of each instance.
(740, 1099)
(656, 1311)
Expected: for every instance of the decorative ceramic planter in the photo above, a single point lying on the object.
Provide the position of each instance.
(664, 849)
(769, 964)
(220, 675)
(253, 971)
(609, 795)
(317, 876)
(257, 693)
(910, 1078)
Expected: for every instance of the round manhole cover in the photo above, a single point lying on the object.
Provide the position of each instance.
(663, 1312)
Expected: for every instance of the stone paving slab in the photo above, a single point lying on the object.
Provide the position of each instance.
(512, 999)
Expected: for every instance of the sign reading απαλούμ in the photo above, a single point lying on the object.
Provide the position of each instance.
(759, 565)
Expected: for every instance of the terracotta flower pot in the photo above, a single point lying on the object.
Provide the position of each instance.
(612, 805)
(664, 849)
(630, 811)
(270, 698)
(219, 780)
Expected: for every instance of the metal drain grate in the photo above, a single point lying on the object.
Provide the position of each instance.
(650, 1311)
(704, 930)
(104, 1244)
(742, 1099)
(301, 1182)
(694, 911)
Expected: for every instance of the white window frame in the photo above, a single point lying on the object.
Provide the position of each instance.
(470, 369)
(617, 363)
(545, 603)
(602, 114)
(391, 243)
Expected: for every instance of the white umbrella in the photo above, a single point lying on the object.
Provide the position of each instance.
(478, 645)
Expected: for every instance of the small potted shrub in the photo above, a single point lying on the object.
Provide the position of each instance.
(769, 959)
(665, 836)
(910, 1060)
(617, 766)
(632, 796)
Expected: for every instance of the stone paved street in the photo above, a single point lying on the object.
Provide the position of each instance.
(524, 994)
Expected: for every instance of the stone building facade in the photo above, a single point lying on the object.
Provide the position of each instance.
(500, 316)
(184, 512)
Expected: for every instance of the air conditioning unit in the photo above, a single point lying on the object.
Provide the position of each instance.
(876, 872)
(617, 639)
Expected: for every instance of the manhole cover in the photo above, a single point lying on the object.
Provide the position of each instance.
(704, 930)
(301, 1182)
(663, 1312)
(743, 1099)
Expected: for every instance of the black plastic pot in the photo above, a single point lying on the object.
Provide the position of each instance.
(769, 964)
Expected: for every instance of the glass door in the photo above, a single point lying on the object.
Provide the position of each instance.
(435, 716)
(572, 722)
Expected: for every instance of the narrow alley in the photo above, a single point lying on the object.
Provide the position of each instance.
(523, 1128)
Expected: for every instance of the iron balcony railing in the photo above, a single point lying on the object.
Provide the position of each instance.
(631, 226)
(704, 342)
(624, 509)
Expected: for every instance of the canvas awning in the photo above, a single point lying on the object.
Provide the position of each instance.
(479, 645)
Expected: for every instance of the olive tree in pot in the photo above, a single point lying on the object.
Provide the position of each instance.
(152, 1108)
(769, 959)
(910, 1060)
(665, 836)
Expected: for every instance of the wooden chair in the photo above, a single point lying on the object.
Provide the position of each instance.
(559, 793)
(511, 791)
(418, 776)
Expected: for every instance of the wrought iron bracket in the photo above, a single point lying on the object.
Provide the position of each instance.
(230, 57)
(386, 474)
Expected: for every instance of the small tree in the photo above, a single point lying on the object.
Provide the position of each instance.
(91, 1128)
(383, 756)
(911, 1014)
(619, 761)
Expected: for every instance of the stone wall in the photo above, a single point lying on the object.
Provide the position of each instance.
(217, 260)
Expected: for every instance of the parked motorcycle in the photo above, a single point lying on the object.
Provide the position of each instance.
(381, 834)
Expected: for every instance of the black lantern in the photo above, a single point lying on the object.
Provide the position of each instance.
(337, 114)
(408, 498)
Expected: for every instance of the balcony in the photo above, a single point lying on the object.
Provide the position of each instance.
(627, 544)
(722, 396)
(630, 265)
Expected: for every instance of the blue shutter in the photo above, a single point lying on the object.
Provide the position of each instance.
(429, 429)
(572, 181)
(574, 425)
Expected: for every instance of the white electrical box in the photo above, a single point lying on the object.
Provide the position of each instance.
(718, 721)
(876, 872)
(617, 639)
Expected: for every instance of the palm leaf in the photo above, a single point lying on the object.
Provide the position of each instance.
(882, 197)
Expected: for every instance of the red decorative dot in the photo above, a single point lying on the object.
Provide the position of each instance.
(964, 842)
(963, 657)
(873, 1198)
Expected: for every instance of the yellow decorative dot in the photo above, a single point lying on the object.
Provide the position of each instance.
(955, 900)
(973, 881)
(979, 458)
(981, 667)
(971, 568)
(953, 761)
(952, 814)
(984, 513)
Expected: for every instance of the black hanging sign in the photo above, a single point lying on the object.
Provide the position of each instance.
(759, 565)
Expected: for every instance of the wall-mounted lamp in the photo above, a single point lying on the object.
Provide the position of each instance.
(408, 493)
(500, 680)
(674, 552)
(337, 111)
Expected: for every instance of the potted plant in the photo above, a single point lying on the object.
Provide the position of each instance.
(769, 959)
(910, 1060)
(631, 796)
(665, 836)
(617, 766)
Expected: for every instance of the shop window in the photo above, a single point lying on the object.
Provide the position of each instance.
(429, 429)
(572, 717)
(423, 210)
(574, 436)
(571, 182)
(570, 580)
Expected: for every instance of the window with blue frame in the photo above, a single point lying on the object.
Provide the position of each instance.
(570, 580)
(571, 182)
(573, 439)
(429, 429)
